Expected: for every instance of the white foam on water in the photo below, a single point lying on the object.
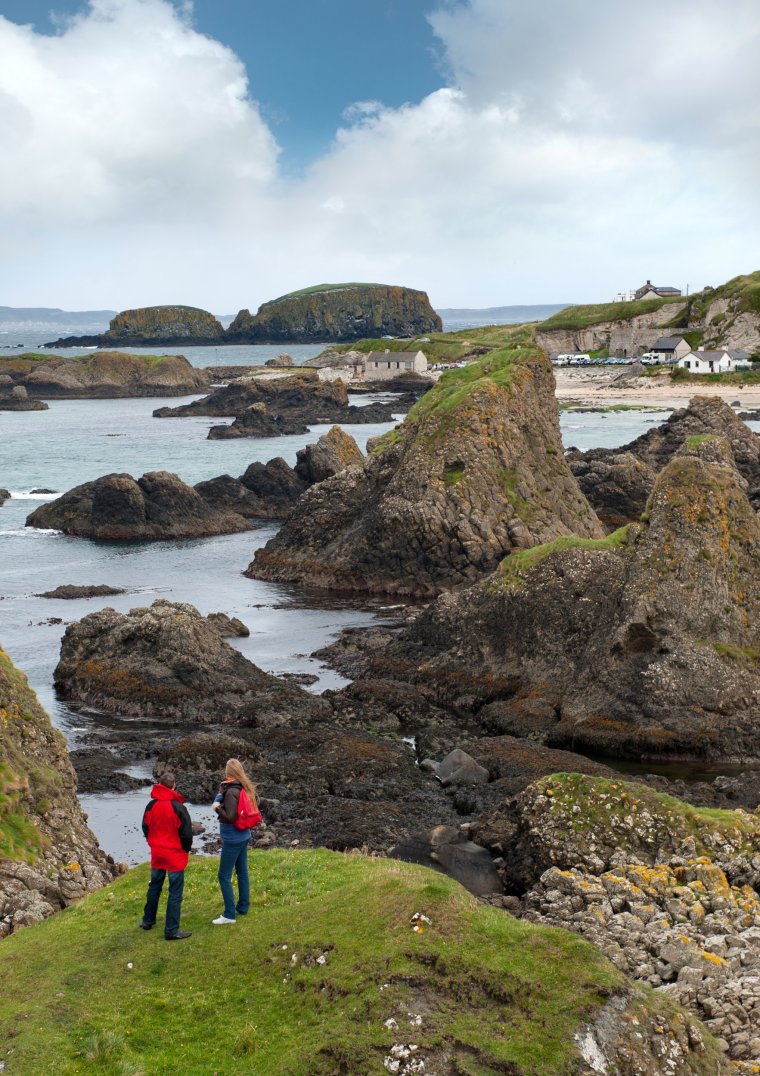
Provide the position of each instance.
(25, 495)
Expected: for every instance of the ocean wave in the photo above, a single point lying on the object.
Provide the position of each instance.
(26, 495)
(28, 532)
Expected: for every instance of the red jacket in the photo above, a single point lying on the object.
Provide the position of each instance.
(168, 829)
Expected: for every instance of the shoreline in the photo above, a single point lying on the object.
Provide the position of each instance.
(604, 388)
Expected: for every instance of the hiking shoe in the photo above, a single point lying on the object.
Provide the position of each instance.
(146, 926)
(222, 921)
(179, 936)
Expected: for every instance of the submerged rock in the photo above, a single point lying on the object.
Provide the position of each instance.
(4, 496)
(476, 470)
(644, 644)
(169, 662)
(69, 591)
(119, 508)
(48, 855)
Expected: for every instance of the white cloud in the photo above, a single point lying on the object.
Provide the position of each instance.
(577, 147)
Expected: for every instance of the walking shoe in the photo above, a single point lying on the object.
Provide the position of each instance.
(179, 936)
(145, 926)
(221, 921)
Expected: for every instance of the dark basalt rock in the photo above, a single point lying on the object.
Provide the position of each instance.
(281, 395)
(644, 645)
(476, 470)
(331, 454)
(340, 312)
(70, 591)
(4, 496)
(169, 662)
(119, 508)
(166, 325)
(228, 626)
(618, 481)
(104, 375)
(256, 421)
(18, 400)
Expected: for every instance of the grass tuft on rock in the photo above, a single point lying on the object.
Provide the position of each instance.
(516, 566)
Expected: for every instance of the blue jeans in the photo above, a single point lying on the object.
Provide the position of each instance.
(173, 903)
(234, 857)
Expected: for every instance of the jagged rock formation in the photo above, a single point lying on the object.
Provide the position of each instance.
(269, 490)
(618, 481)
(169, 662)
(119, 508)
(271, 407)
(4, 496)
(166, 325)
(331, 454)
(663, 890)
(625, 332)
(18, 400)
(104, 375)
(476, 470)
(48, 855)
(645, 644)
(337, 312)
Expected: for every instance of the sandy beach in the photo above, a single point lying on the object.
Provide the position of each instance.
(605, 386)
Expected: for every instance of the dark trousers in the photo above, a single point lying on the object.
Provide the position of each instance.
(234, 857)
(173, 903)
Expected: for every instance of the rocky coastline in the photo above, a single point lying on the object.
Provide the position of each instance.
(104, 375)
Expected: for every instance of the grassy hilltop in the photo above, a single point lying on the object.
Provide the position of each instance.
(305, 985)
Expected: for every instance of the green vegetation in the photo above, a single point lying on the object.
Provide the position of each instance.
(305, 984)
(29, 359)
(743, 292)
(516, 566)
(698, 439)
(739, 377)
(452, 347)
(583, 317)
(316, 288)
(740, 654)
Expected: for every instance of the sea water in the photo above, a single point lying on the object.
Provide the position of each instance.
(76, 441)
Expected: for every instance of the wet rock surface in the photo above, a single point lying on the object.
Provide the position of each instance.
(4, 496)
(17, 399)
(70, 591)
(168, 662)
(475, 471)
(119, 508)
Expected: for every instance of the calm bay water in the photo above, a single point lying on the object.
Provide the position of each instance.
(78, 440)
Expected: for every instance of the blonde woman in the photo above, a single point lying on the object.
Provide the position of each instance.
(235, 829)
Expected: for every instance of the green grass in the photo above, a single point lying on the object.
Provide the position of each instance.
(32, 358)
(516, 566)
(583, 317)
(315, 289)
(740, 377)
(493, 992)
(451, 347)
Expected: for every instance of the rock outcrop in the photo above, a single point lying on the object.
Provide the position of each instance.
(335, 313)
(644, 644)
(476, 470)
(117, 507)
(169, 662)
(618, 481)
(48, 855)
(269, 490)
(4, 496)
(70, 591)
(18, 400)
(624, 333)
(663, 890)
(166, 325)
(104, 375)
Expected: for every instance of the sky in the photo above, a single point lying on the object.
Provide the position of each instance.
(491, 152)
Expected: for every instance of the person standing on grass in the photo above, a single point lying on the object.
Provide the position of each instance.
(169, 832)
(235, 839)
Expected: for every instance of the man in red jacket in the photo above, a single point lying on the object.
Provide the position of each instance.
(169, 832)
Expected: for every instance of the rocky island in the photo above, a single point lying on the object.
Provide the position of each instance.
(118, 507)
(105, 375)
(145, 326)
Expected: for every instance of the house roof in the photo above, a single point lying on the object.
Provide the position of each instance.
(710, 356)
(667, 343)
(391, 356)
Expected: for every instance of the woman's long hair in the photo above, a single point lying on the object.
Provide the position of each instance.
(234, 771)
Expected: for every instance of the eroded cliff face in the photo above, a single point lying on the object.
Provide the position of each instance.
(104, 375)
(153, 325)
(624, 336)
(48, 855)
(645, 644)
(348, 312)
(476, 470)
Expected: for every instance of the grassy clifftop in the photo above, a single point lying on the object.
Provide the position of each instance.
(582, 317)
(326, 975)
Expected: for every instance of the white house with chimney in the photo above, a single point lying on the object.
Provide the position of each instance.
(715, 362)
(384, 365)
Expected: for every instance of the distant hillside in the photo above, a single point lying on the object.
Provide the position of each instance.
(51, 315)
(455, 318)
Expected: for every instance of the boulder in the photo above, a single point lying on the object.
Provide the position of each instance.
(337, 312)
(643, 644)
(332, 453)
(169, 662)
(48, 855)
(18, 400)
(618, 481)
(280, 360)
(106, 375)
(476, 470)
(228, 626)
(4, 496)
(459, 768)
(117, 507)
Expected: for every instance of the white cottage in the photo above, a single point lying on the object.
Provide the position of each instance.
(383, 365)
(670, 348)
(712, 362)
